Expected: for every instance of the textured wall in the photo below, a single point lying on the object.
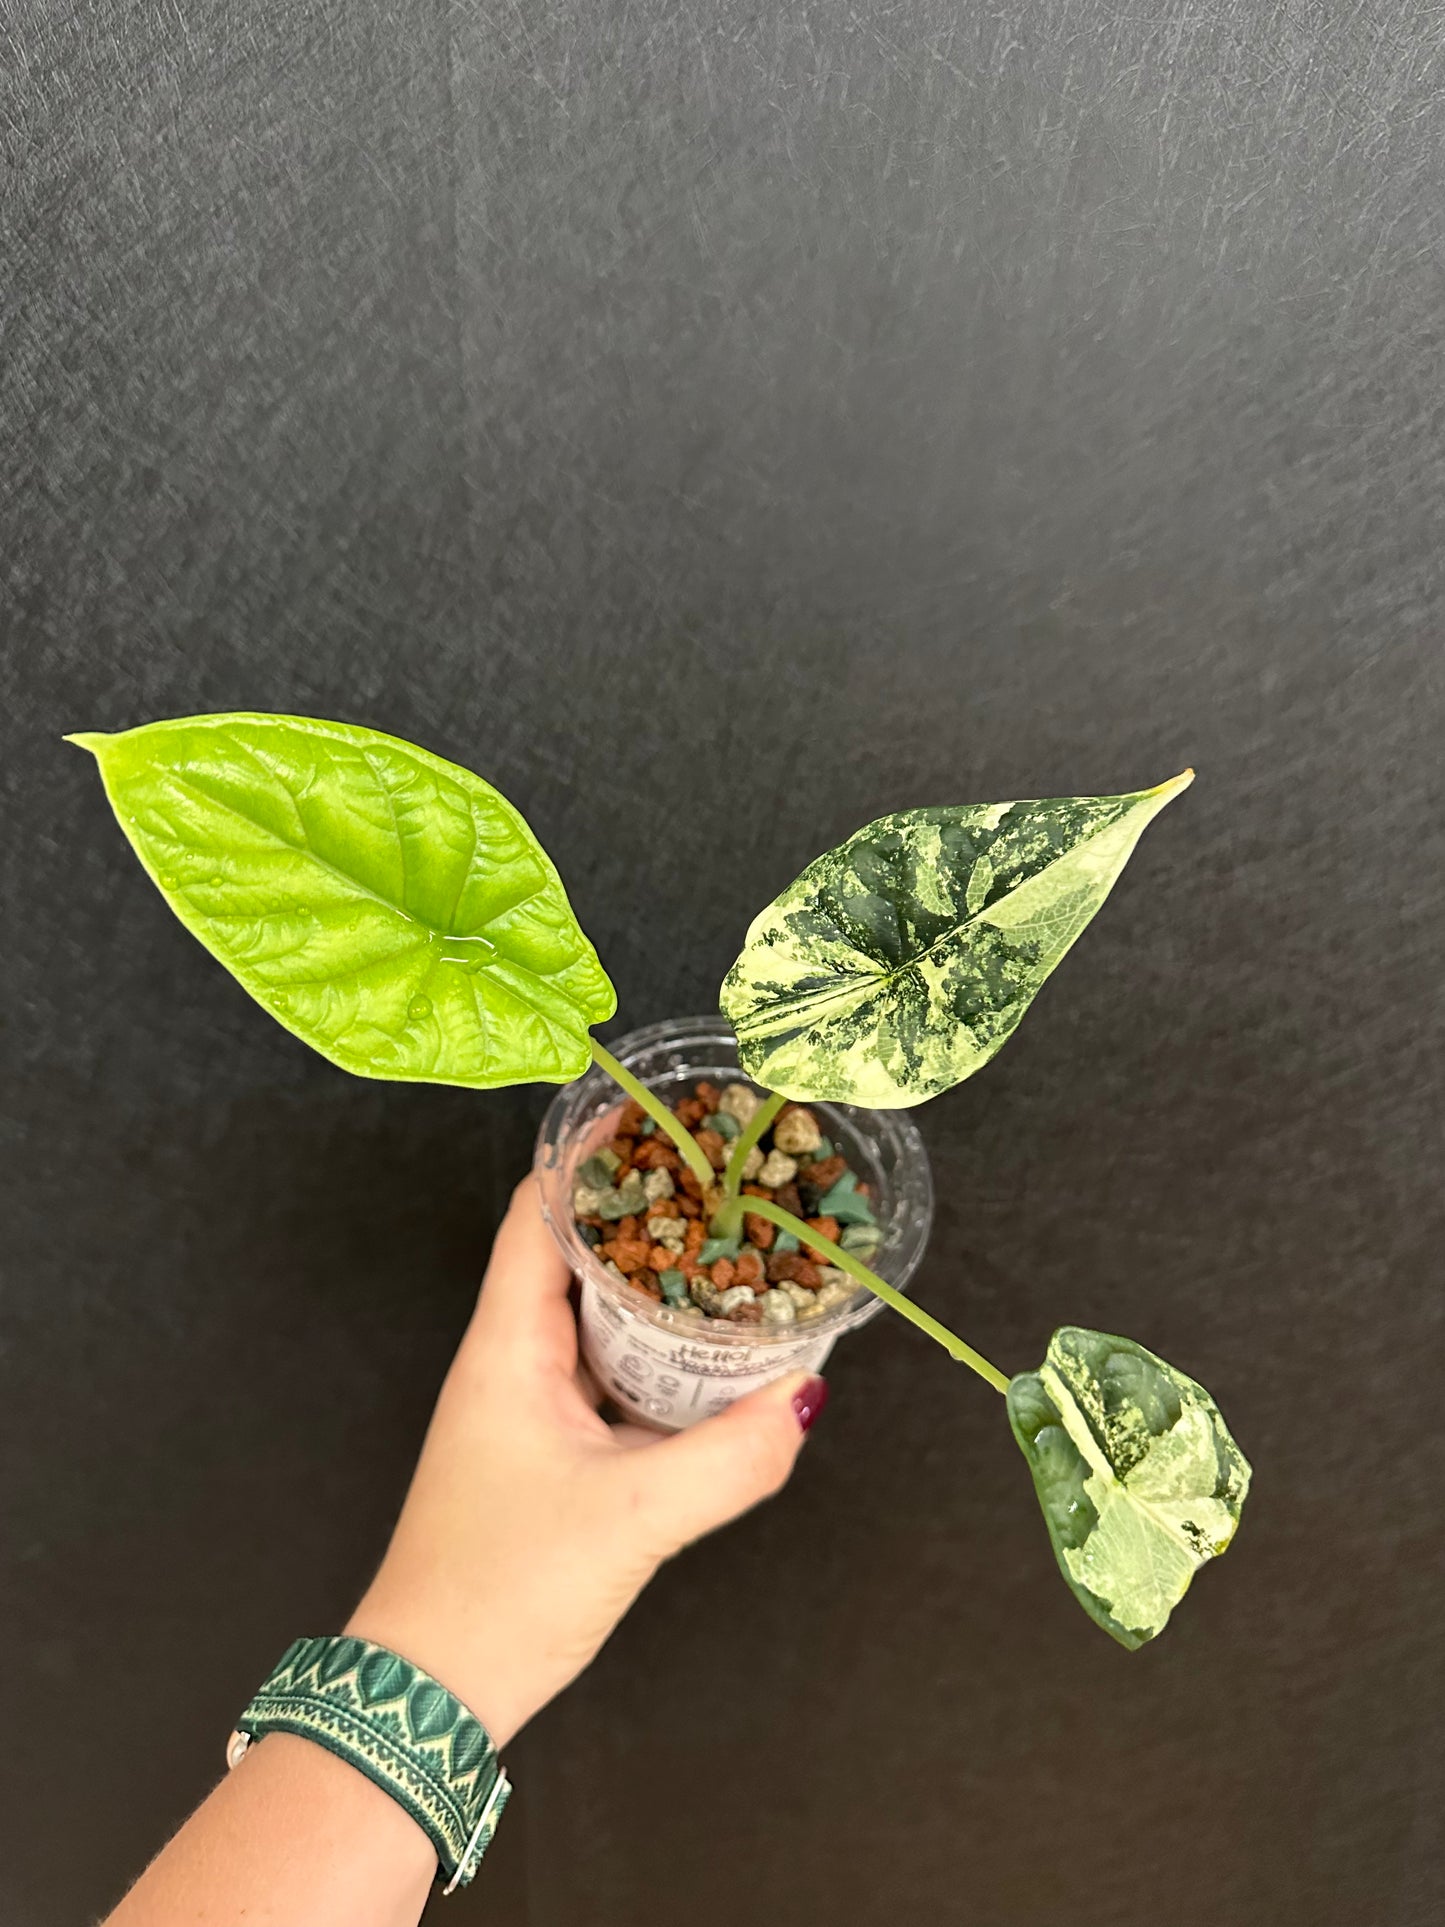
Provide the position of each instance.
(719, 425)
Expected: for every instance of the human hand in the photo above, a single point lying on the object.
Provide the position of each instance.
(531, 1524)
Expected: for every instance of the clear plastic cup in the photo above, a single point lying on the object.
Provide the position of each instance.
(661, 1367)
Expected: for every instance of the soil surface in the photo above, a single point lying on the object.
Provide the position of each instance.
(647, 1215)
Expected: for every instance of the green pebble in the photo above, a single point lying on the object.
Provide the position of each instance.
(648, 1126)
(849, 1210)
(720, 1248)
(824, 1150)
(845, 1205)
(596, 1173)
(674, 1287)
(633, 1193)
(860, 1237)
(590, 1232)
(721, 1122)
(610, 1204)
(785, 1241)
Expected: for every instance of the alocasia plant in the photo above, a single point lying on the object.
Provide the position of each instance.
(396, 913)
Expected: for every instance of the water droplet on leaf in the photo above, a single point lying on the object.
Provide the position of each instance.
(419, 1007)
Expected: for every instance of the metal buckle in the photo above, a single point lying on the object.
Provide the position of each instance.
(500, 1790)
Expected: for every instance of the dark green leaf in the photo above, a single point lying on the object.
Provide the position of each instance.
(468, 1747)
(431, 1711)
(382, 1676)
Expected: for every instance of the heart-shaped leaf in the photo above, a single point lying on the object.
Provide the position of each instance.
(898, 963)
(390, 908)
(1138, 1477)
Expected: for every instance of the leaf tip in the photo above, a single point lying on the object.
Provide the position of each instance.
(90, 739)
(1174, 787)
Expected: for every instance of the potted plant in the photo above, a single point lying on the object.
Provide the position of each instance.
(737, 1195)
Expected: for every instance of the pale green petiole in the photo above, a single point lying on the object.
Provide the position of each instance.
(728, 1219)
(761, 1118)
(785, 1221)
(692, 1151)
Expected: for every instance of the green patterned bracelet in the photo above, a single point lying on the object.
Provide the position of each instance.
(395, 1724)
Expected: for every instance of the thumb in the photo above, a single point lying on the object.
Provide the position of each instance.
(709, 1474)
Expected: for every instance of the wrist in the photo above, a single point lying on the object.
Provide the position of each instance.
(398, 1727)
(475, 1653)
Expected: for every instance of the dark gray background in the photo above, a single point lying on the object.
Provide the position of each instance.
(719, 424)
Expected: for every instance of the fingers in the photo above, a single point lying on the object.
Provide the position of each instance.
(700, 1479)
(587, 1386)
(524, 1294)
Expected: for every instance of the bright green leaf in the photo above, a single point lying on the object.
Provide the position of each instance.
(1138, 1477)
(898, 963)
(388, 907)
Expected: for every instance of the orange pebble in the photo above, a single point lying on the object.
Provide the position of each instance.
(759, 1231)
(748, 1269)
(628, 1254)
(714, 1147)
(656, 1154)
(825, 1228)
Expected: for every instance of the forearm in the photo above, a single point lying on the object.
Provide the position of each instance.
(529, 1528)
(291, 1838)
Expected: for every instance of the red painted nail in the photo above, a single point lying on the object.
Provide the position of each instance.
(809, 1400)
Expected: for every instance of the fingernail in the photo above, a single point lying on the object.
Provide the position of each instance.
(809, 1400)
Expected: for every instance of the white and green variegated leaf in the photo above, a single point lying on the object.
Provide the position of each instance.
(1136, 1472)
(898, 963)
(388, 907)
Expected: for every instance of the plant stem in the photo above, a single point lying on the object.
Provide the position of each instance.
(761, 1118)
(955, 1347)
(692, 1151)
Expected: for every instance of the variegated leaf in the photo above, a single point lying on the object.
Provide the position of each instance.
(388, 907)
(1136, 1472)
(898, 963)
